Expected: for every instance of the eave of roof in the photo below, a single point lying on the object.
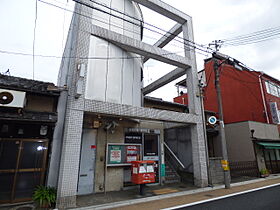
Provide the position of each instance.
(28, 85)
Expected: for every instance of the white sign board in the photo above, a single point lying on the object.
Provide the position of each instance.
(274, 113)
(212, 120)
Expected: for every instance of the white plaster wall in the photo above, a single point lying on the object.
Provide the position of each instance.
(113, 74)
(264, 130)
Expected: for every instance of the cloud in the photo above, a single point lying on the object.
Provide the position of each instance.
(212, 20)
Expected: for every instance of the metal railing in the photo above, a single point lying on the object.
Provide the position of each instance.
(174, 156)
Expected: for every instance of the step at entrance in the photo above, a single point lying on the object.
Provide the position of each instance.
(171, 176)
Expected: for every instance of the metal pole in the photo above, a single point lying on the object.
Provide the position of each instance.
(222, 126)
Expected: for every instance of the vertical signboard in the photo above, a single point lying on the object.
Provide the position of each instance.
(274, 113)
(131, 153)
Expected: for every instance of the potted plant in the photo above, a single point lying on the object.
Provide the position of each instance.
(44, 196)
(264, 172)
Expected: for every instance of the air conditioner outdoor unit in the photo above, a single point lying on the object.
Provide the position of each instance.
(12, 98)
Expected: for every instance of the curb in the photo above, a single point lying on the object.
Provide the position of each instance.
(159, 197)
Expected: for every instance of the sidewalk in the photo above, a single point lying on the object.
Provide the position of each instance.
(132, 194)
(184, 197)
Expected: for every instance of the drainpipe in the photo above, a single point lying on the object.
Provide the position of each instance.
(263, 98)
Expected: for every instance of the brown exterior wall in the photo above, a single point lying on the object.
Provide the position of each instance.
(40, 103)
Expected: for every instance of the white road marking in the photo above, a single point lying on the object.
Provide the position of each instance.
(221, 197)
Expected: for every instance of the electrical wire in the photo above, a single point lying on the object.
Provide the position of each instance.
(254, 37)
(139, 25)
(53, 56)
(252, 42)
(34, 38)
(253, 34)
(63, 27)
(244, 83)
(139, 20)
(207, 83)
(73, 57)
(104, 22)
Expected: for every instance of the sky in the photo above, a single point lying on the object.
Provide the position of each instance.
(212, 20)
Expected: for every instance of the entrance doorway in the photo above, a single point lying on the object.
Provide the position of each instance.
(22, 168)
(87, 162)
(272, 160)
(150, 149)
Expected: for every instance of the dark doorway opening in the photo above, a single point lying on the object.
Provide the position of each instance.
(272, 160)
(22, 168)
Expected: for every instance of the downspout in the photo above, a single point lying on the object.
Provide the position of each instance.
(263, 99)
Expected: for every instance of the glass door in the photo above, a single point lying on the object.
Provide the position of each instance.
(151, 151)
(22, 168)
(8, 164)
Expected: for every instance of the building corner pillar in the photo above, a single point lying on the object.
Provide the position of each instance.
(70, 160)
(200, 169)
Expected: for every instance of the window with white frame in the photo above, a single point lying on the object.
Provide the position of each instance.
(272, 88)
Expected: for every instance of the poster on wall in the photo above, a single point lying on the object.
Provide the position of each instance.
(131, 154)
(115, 154)
(122, 154)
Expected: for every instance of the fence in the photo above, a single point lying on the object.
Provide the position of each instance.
(244, 168)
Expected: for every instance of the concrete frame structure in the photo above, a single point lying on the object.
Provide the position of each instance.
(77, 105)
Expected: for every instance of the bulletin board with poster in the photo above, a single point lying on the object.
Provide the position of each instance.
(123, 154)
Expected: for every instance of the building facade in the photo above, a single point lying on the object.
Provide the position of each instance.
(105, 124)
(251, 102)
(28, 117)
(247, 95)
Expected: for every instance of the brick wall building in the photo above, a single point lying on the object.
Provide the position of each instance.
(251, 102)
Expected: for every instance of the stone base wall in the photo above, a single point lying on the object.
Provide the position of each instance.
(216, 172)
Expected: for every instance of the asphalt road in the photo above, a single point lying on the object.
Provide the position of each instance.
(258, 194)
(268, 198)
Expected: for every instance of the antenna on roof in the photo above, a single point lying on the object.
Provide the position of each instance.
(6, 72)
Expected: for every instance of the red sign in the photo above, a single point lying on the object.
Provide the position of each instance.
(131, 153)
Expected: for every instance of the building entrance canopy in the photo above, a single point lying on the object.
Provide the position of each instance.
(269, 145)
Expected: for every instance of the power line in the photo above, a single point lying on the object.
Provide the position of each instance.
(74, 57)
(195, 46)
(252, 42)
(63, 27)
(118, 25)
(104, 22)
(253, 34)
(34, 37)
(132, 17)
(254, 37)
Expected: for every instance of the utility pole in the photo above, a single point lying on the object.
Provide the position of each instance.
(225, 163)
(217, 44)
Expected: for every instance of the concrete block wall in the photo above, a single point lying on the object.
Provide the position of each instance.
(216, 171)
